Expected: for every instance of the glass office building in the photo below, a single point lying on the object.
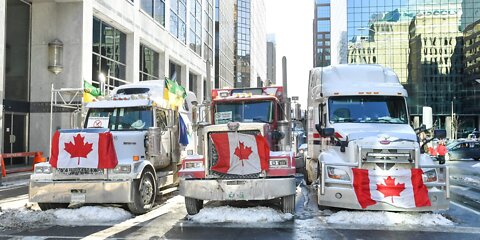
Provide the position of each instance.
(321, 37)
(431, 45)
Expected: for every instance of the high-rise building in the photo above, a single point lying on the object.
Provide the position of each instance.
(126, 41)
(224, 43)
(271, 60)
(321, 36)
(425, 43)
(250, 43)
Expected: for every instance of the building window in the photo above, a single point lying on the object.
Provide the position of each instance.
(178, 15)
(195, 37)
(154, 8)
(108, 53)
(208, 28)
(148, 64)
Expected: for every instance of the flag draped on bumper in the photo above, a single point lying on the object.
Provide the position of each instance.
(240, 154)
(401, 188)
(83, 150)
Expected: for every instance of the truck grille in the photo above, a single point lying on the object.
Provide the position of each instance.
(80, 173)
(213, 159)
(388, 155)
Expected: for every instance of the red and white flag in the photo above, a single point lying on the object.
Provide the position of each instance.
(401, 188)
(83, 150)
(240, 154)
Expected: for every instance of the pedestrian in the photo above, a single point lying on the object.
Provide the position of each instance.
(441, 151)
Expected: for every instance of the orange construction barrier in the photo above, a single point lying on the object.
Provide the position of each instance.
(4, 171)
(37, 158)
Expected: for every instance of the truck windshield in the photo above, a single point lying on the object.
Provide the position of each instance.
(120, 119)
(244, 111)
(367, 109)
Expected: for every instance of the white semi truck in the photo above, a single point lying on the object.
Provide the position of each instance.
(145, 134)
(360, 143)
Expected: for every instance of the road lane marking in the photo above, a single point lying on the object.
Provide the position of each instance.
(465, 207)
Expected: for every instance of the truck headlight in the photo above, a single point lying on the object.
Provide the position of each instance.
(196, 164)
(278, 163)
(339, 174)
(122, 169)
(43, 169)
(430, 176)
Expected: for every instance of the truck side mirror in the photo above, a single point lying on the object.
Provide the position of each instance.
(439, 133)
(325, 132)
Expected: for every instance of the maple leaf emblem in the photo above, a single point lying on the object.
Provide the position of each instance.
(242, 152)
(78, 148)
(390, 189)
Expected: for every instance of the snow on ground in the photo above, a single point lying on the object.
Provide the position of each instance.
(469, 180)
(25, 218)
(388, 218)
(477, 165)
(7, 185)
(240, 215)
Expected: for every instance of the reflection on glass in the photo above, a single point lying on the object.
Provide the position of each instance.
(244, 111)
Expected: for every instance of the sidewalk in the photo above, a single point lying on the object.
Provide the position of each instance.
(15, 176)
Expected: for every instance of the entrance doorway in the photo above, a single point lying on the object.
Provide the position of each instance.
(15, 137)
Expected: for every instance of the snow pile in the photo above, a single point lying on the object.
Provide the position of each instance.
(477, 165)
(388, 218)
(25, 218)
(240, 215)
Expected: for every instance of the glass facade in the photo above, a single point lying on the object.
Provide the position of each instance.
(208, 29)
(195, 37)
(108, 53)
(224, 43)
(322, 35)
(427, 44)
(148, 64)
(178, 16)
(243, 43)
(154, 8)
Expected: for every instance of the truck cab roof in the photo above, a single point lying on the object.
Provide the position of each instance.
(355, 79)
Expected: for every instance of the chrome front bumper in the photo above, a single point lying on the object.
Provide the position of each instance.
(237, 189)
(344, 197)
(80, 191)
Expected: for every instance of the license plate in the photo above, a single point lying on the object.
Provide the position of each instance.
(77, 198)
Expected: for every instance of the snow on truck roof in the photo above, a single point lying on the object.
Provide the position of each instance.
(355, 79)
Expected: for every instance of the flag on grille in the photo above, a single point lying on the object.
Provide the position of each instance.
(240, 154)
(401, 188)
(83, 150)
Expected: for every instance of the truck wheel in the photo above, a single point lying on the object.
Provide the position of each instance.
(193, 205)
(288, 204)
(47, 206)
(305, 175)
(144, 193)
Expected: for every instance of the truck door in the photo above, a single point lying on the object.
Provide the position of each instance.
(165, 149)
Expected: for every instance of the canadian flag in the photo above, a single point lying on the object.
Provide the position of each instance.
(401, 188)
(240, 154)
(83, 150)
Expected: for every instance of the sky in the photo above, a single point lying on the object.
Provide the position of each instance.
(292, 23)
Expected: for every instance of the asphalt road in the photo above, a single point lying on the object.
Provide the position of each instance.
(169, 221)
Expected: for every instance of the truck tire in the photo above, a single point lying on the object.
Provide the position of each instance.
(288, 204)
(193, 205)
(144, 193)
(47, 206)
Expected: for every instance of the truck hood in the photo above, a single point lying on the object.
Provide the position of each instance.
(390, 132)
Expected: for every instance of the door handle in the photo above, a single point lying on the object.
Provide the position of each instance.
(12, 138)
